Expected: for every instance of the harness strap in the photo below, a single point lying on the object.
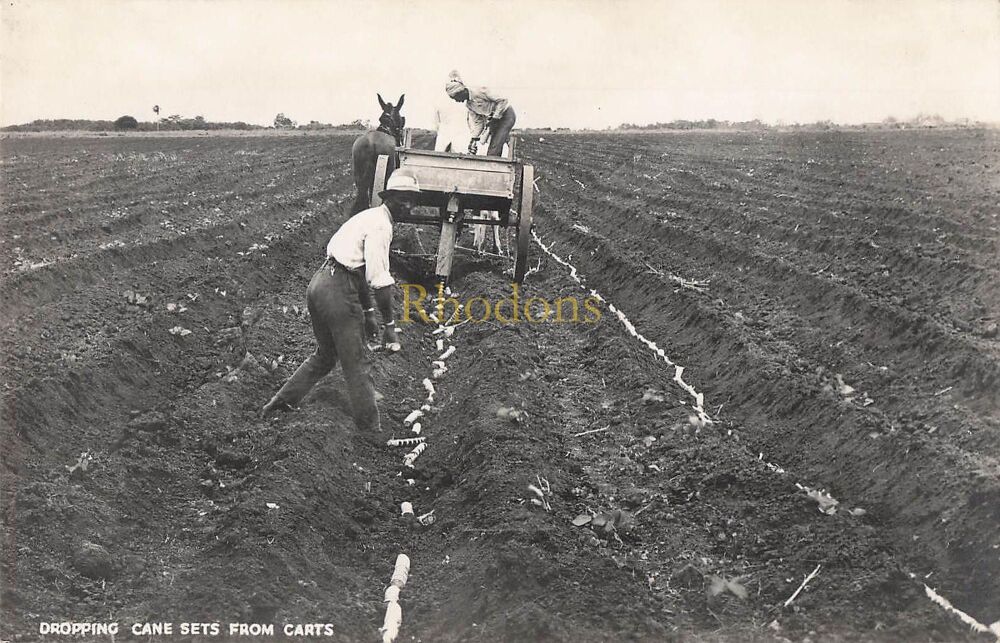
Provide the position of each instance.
(386, 130)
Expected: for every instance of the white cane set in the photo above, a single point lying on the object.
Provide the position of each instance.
(393, 612)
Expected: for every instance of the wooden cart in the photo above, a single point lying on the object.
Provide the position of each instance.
(461, 185)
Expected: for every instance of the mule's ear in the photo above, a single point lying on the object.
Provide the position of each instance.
(399, 105)
(385, 106)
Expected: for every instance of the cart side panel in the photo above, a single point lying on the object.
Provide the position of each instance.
(467, 175)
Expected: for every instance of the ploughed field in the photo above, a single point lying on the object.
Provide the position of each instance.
(832, 298)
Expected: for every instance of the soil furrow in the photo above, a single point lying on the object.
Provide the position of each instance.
(207, 513)
(781, 405)
(889, 335)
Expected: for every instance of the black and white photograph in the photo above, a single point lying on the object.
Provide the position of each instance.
(511, 321)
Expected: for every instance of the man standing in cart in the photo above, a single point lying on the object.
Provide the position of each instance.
(340, 304)
(451, 127)
(487, 110)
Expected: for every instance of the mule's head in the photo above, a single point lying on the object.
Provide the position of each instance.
(391, 121)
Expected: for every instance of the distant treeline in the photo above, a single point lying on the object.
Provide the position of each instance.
(710, 123)
(888, 123)
(170, 123)
(86, 125)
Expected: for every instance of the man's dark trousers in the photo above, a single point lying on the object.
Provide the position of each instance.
(500, 131)
(338, 323)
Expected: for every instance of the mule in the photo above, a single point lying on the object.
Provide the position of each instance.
(368, 147)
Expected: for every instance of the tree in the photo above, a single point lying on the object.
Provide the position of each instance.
(126, 122)
(283, 122)
(172, 122)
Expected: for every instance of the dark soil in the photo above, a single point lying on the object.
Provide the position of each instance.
(139, 485)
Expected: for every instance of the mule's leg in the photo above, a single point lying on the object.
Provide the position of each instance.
(363, 198)
(391, 153)
(359, 202)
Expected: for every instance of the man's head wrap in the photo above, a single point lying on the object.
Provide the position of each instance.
(454, 86)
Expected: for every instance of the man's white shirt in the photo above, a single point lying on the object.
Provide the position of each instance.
(451, 120)
(363, 240)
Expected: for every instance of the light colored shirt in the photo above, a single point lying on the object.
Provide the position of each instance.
(364, 240)
(451, 123)
(483, 105)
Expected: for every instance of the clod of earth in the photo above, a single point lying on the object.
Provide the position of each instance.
(609, 522)
(81, 466)
(842, 388)
(250, 364)
(208, 488)
(718, 585)
(827, 503)
(93, 561)
(508, 413)
(232, 459)
(250, 316)
(652, 395)
(137, 299)
(688, 577)
(696, 421)
(228, 335)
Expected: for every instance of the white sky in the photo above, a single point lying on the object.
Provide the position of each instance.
(579, 63)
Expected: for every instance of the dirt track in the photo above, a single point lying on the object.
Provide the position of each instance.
(869, 256)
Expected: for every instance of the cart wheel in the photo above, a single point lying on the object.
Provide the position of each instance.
(381, 169)
(524, 222)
